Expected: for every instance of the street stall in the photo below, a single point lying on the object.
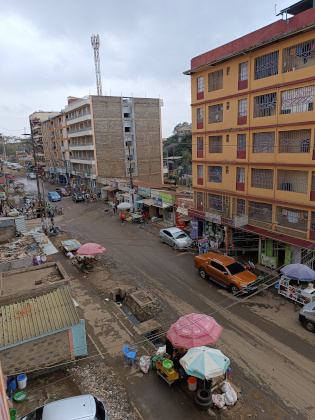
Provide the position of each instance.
(86, 256)
(297, 283)
(71, 245)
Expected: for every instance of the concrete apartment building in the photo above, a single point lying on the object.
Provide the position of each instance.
(36, 119)
(253, 127)
(107, 138)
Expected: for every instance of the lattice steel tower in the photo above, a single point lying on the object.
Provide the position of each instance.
(95, 41)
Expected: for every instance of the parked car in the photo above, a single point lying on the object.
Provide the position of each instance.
(82, 407)
(54, 196)
(63, 192)
(307, 316)
(32, 175)
(227, 272)
(175, 237)
(78, 197)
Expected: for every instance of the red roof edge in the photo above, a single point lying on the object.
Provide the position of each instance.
(254, 38)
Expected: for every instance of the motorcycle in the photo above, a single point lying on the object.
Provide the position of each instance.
(250, 266)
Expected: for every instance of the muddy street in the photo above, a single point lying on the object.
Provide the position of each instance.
(271, 354)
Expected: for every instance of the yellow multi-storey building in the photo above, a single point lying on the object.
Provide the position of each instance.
(253, 132)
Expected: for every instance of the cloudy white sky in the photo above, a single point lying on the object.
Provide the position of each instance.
(46, 52)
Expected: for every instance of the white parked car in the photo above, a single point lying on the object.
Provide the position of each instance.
(32, 175)
(83, 407)
(175, 237)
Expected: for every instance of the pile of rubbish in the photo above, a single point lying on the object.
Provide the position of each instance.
(21, 248)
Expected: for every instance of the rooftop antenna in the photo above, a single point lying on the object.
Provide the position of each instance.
(95, 41)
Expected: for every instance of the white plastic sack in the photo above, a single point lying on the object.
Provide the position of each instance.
(161, 350)
(145, 362)
(218, 400)
(230, 397)
(226, 387)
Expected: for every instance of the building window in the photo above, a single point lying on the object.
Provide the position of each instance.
(227, 138)
(297, 100)
(228, 71)
(199, 201)
(264, 142)
(240, 175)
(313, 220)
(260, 211)
(199, 117)
(295, 141)
(241, 146)
(265, 105)
(226, 169)
(215, 113)
(200, 174)
(240, 206)
(215, 144)
(292, 218)
(215, 202)
(243, 72)
(242, 112)
(266, 65)
(228, 105)
(262, 178)
(215, 80)
(299, 56)
(200, 87)
(295, 181)
(199, 147)
(215, 173)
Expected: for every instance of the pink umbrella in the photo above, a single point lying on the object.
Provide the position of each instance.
(194, 330)
(90, 249)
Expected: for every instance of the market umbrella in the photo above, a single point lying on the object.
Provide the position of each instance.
(90, 249)
(205, 362)
(124, 206)
(299, 272)
(194, 330)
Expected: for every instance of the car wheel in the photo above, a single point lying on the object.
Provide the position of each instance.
(234, 289)
(162, 240)
(310, 326)
(176, 247)
(202, 273)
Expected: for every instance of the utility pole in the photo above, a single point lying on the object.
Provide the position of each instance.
(42, 203)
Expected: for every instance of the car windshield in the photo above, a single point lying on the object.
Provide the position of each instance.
(235, 268)
(53, 193)
(179, 235)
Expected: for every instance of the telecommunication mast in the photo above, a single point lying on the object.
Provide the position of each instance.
(95, 41)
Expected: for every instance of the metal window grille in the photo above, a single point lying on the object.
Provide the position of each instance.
(243, 71)
(200, 144)
(240, 206)
(215, 202)
(295, 141)
(262, 178)
(295, 181)
(215, 173)
(215, 144)
(264, 142)
(292, 218)
(241, 142)
(308, 258)
(240, 175)
(313, 220)
(200, 171)
(199, 115)
(299, 56)
(260, 211)
(297, 100)
(265, 105)
(215, 80)
(200, 84)
(215, 113)
(266, 65)
(313, 182)
(242, 108)
(199, 198)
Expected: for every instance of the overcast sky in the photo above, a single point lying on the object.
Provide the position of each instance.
(46, 52)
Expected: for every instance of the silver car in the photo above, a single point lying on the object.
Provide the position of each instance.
(83, 407)
(175, 237)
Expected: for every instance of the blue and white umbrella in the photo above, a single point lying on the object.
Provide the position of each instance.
(299, 272)
(205, 362)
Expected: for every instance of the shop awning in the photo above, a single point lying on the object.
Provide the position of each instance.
(109, 188)
(146, 201)
(124, 194)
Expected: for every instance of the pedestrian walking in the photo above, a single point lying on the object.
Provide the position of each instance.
(122, 218)
(52, 221)
(114, 208)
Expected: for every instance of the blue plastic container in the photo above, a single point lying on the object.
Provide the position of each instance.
(11, 384)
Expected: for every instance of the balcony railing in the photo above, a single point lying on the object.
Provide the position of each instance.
(82, 157)
(78, 116)
(80, 129)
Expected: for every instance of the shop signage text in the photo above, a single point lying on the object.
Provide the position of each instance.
(157, 201)
(241, 220)
(215, 218)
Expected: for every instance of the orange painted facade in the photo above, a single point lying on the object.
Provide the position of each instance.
(256, 141)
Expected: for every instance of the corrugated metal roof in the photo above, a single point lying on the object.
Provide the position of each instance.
(37, 316)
